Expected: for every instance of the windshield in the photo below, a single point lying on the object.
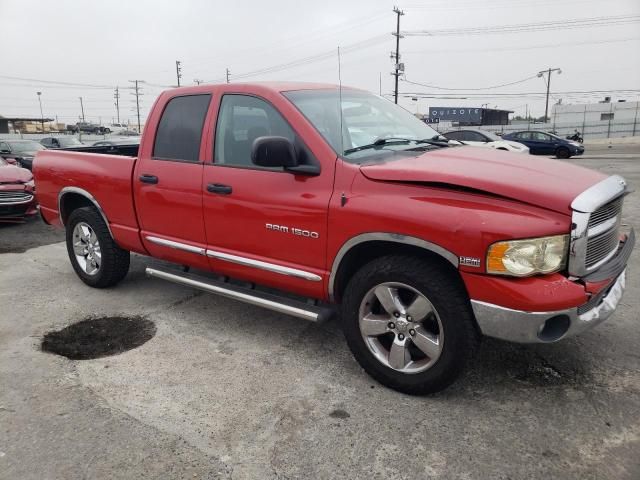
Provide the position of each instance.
(25, 146)
(69, 142)
(366, 119)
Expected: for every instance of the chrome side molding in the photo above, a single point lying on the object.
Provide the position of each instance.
(227, 257)
(271, 267)
(177, 245)
(295, 308)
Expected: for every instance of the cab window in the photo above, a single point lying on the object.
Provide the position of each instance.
(180, 129)
(241, 120)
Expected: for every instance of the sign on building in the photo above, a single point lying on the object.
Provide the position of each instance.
(456, 114)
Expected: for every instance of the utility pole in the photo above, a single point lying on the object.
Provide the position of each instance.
(81, 108)
(137, 93)
(399, 67)
(178, 71)
(228, 74)
(116, 95)
(541, 74)
(635, 120)
(41, 115)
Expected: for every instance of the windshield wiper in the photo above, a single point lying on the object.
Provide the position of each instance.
(378, 143)
(434, 141)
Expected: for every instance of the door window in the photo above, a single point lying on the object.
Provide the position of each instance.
(454, 135)
(474, 137)
(540, 137)
(180, 129)
(241, 120)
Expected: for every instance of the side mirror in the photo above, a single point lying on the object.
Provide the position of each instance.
(274, 152)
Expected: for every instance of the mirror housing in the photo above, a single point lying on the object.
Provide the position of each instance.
(274, 151)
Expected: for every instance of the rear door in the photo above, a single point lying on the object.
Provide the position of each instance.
(167, 183)
(544, 143)
(265, 225)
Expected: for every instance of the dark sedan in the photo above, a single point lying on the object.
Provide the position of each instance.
(61, 142)
(19, 152)
(543, 143)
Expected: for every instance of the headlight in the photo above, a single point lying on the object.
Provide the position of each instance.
(522, 258)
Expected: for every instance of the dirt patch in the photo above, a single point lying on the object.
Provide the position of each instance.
(99, 337)
(339, 413)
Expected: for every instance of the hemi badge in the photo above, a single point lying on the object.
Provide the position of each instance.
(470, 261)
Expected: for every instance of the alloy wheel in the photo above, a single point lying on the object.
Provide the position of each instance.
(401, 327)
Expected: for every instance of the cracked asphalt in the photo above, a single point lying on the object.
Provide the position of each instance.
(226, 390)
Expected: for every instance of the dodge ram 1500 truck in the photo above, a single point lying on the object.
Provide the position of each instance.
(311, 199)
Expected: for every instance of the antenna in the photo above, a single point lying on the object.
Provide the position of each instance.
(340, 103)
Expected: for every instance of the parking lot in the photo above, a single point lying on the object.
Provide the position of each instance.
(227, 390)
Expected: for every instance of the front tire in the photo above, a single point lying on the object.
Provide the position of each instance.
(94, 255)
(409, 324)
(563, 152)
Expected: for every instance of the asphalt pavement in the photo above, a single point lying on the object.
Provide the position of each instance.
(226, 390)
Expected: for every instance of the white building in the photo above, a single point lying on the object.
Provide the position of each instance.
(602, 119)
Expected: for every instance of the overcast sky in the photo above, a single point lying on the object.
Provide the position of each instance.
(108, 43)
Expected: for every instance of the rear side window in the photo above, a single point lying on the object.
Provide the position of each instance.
(453, 135)
(180, 128)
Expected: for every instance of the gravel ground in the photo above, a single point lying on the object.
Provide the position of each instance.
(226, 390)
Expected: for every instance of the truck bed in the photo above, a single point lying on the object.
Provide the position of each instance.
(128, 150)
(107, 178)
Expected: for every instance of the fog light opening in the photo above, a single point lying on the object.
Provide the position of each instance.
(554, 328)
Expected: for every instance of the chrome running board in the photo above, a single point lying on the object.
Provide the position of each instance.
(296, 308)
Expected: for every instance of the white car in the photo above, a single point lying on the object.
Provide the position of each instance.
(482, 138)
(117, 128)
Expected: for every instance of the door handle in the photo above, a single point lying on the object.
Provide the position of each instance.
(219, 188)
(152, 179)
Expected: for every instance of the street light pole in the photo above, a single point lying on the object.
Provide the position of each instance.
(541, 74)
(41, 115)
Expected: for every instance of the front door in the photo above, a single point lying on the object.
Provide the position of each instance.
(168, 184)
(264, 225)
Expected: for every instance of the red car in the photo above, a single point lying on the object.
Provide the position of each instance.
(17, 198)
(363, 210)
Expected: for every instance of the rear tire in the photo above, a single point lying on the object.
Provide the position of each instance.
(435, 347)
(563, 152)
(94, 255)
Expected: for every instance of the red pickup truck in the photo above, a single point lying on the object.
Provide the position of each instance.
(311, 199)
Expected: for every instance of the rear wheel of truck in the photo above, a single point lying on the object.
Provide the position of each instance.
(96, 258)
(409, 323)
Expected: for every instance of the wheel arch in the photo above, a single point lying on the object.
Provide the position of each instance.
(72, 198)
(361, 249)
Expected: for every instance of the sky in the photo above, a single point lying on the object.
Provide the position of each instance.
(68, 49)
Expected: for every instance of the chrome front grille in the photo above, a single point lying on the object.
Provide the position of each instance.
(601, 246)
(12, 196)
(597, 213)
(605, 213)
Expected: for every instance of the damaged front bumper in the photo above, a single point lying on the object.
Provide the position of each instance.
(524, 326)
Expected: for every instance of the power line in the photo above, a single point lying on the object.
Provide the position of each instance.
(470, 89)
(530, 27)
(307, 60)
(53, 82)
(531, 47)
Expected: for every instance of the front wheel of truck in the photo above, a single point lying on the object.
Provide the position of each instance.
(94, 255)
(409, 323)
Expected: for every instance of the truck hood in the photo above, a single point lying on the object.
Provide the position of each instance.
(540, 181)
(10, 174)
